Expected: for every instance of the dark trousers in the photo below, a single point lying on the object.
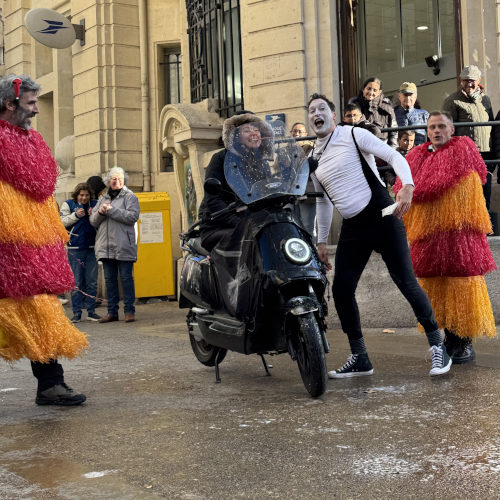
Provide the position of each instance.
(359, 237)
(47, 374)
(84, 267)
(111, 268)
(210, 237)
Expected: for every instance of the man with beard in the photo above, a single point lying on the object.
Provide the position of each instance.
(33, 267)
(347, 174)
(470, 104)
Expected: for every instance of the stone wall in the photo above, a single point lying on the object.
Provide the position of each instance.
(381, 304)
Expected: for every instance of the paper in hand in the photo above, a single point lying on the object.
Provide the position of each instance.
(389, 210)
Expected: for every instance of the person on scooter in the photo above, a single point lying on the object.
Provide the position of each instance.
(348, 175)
(245, 135)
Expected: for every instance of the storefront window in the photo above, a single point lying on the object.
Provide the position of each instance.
(396, 37)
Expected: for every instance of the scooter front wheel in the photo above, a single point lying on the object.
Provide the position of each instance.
(205, 353)
(311, 355)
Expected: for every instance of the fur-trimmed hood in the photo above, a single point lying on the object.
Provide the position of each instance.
(231, 124)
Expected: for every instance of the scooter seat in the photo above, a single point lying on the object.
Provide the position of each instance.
(195, 244)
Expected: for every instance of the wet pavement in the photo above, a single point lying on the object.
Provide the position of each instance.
(157, 426)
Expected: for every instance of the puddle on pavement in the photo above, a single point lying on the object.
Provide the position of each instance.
(68, 479)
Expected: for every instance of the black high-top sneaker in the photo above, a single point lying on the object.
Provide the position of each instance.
(464, 353)
(441, 362)
(451, 341)
(358, 365)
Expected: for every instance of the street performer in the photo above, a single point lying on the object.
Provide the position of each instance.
(33, 264)
(447, 226)
(347, 174)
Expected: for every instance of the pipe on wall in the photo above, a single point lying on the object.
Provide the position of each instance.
(146, 153)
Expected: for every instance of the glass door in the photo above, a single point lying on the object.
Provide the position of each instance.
(409, 40)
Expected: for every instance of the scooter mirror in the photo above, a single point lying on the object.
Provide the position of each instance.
(213, 186)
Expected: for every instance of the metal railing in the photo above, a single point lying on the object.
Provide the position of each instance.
(423, 126)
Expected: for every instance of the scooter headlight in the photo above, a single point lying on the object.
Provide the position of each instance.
(297, 251)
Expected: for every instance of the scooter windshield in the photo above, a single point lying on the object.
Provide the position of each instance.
(263, 161)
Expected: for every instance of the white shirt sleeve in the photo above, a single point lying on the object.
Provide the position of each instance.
(324, 212)
(368, 143)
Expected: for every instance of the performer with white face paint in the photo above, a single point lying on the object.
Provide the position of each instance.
(348, 176)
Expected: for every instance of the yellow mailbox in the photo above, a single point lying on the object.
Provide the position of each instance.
(154, 269)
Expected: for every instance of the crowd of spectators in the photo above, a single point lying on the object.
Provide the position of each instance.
(100, 218)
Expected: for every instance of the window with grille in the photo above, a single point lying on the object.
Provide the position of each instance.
(170, 90)
(215, 53)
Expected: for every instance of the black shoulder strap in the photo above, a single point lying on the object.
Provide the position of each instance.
(323, 188)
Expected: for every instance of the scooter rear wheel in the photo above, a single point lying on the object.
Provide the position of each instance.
(205, 353)
(311, 355)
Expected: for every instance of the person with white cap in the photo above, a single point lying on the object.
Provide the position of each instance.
(407, 114)
(470, 104)
(114, 217)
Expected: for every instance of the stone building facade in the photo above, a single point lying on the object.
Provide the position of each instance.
(130, 96)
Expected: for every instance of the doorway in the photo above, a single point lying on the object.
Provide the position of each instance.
(401, 40)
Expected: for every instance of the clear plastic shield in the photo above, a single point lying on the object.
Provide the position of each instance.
(264, 161)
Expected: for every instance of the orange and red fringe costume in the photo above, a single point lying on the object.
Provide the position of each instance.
(446, 227)
(33, 263)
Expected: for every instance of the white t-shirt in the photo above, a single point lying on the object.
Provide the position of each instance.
(340, 173)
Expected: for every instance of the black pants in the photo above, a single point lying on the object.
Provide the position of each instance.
(359, 237)
(210, 237)
(47, 374)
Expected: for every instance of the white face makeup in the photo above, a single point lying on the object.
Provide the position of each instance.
(321, 118)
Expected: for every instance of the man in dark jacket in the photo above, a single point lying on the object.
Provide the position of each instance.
(407, 114)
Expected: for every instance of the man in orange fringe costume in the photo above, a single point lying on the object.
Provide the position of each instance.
(446, 227)
(33, 263)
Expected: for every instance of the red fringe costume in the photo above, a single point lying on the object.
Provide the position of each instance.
(33, 263)
(446, 227)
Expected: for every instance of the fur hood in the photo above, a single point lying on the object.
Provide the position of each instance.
(231, 124)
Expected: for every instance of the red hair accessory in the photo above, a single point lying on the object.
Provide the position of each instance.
(17, 82)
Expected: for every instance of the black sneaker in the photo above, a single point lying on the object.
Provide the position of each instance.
(59, 395)
(93, 317)
(76, 318)
(464, 353)
(357, 365)
(452, 342)
(441, 362)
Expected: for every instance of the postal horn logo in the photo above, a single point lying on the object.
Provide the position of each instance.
(52, 27)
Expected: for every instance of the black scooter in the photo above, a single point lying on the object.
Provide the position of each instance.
(261, 289)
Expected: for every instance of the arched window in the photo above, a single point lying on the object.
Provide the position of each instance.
(215, 53)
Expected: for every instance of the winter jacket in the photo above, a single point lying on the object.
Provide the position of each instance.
(379, 112)
(115, 231)
(212, 203)
(81, 232)
(468, 109)
(413, 116)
